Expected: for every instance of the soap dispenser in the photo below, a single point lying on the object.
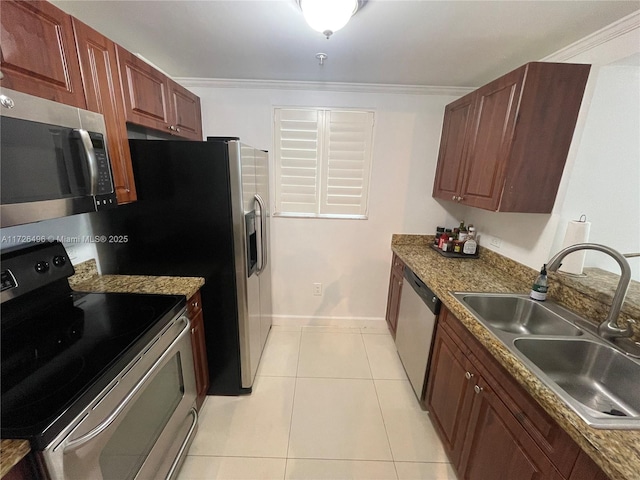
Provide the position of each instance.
(540, 286)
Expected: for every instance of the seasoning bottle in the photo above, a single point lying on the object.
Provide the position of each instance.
(540, 286)
(448, 245)
(457, 246)
(463, 232)
(439, 232)
(470, 245)
(444, 238)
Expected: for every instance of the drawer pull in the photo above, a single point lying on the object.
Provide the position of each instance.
(477, 389)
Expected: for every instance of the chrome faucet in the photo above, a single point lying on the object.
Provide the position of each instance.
(609, 328)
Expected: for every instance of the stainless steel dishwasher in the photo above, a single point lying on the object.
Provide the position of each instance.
(419, 308)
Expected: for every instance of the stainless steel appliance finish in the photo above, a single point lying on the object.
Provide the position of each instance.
(54, 160)
(102, 385)
(212, 199)
(141, 424)
(417, 316)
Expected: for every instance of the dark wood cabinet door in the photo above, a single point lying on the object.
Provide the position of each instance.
(199, 347)
(491, 134)
(37, 52)
(186, 116)
(200, 358)
(449, 172)
(396, 279)
(496, 445)
(145, 91)
(99, 64)
(586, 469)
(449, 394)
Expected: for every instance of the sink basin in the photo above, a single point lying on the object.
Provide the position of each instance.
(594, 375)
(519, 315)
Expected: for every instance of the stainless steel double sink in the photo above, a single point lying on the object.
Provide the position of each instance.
(596, 380)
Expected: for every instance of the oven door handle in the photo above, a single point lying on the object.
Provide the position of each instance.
(180, 456)
(87, 437)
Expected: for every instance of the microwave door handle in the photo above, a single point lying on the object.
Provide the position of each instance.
(92, 161)
(108, 421)
(263, 239)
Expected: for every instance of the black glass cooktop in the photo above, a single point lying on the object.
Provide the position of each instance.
(56, 361)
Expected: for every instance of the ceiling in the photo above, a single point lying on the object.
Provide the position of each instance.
(421, 42)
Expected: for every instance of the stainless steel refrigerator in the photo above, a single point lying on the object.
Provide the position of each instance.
(202, 210)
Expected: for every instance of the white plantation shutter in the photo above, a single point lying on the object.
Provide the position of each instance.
(297, 160)
(323, 162)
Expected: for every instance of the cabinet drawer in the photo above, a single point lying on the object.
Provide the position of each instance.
(194, 305)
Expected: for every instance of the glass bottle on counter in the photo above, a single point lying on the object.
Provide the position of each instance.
(463, 232)
(470, 245)
(439, 232)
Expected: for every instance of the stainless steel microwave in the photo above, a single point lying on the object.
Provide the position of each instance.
(53, 160)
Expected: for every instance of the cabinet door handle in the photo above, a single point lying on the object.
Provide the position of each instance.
(454, 198)
(468, 375)
(460, 199)
(178, 129)
(172, 128)
(477, 389)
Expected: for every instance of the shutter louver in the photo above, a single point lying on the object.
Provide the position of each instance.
(297, 156)
(348, 155)
(323, 161)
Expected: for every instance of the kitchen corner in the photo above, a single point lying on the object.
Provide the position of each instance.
(617, 452)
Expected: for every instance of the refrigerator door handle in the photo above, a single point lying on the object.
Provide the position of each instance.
(264, 257)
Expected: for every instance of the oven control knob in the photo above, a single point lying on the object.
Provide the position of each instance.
(59, 260)
(42, 267)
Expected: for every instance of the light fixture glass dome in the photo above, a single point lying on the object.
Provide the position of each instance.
(328, 16)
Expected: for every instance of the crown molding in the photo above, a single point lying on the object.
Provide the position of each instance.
(616, 29)
(323, 86)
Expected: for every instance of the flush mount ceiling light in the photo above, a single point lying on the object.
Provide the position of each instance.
(329, 16)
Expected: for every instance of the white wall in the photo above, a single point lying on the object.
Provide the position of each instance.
(351, 258)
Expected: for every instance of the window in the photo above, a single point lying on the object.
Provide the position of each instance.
(323, 162)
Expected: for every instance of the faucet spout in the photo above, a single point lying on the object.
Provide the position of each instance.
(609, 328)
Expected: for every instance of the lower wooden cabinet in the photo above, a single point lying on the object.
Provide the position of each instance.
(201, 365)
(395, 290)
(491, 428)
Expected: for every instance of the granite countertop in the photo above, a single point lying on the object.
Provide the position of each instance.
(11, 452)
(617, 452)
(87, 279)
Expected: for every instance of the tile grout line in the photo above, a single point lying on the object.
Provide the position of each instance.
(293, 405)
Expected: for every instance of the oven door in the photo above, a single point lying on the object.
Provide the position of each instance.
(141, 425)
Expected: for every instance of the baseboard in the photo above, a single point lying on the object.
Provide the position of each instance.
(347, 322)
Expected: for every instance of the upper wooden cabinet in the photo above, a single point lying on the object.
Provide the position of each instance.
(153, 100)
(99, 65)
(504, 146)
(37, 51)
(186, 114)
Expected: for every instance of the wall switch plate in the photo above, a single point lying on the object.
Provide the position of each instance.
(317, 289)
(496, 242)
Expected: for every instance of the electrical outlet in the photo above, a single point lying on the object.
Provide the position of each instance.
(317, 289)
(496, 242)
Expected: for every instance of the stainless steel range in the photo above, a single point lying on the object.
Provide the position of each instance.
(102, 385)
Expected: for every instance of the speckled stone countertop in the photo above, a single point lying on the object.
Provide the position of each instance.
(87, 279)
(617, 452)
(11, 452)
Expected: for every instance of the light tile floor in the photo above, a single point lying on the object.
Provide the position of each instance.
(327, 403)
